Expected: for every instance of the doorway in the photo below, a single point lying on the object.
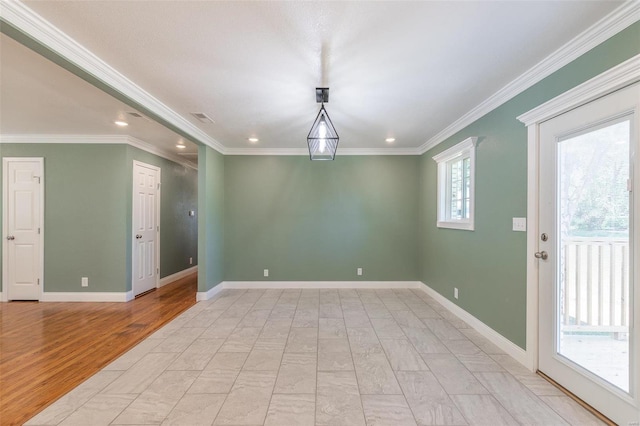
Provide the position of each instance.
(145, 227)
(23, 230)
(587, 231)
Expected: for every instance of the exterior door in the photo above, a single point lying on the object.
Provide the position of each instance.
(146, 227)
(588, 262)
(23, 218)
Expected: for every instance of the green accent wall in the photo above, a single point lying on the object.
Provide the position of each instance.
(320, 220)
(488, 265)
(88, 214)
(211, 180)
(84, 226)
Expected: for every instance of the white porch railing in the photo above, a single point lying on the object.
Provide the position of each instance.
(596, 278)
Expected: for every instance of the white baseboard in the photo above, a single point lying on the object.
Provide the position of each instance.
(206, 295)
(489, 333)
(86, 297)
(2, 297)
(174, 277)
(209, 294)
(321, 284)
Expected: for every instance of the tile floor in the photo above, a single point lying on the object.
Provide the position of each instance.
(315, 357)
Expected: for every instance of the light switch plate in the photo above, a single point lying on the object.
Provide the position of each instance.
(520, 224)
(266, 272)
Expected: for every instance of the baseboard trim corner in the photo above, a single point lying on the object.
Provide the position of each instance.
(489, 333)
(86, 297)
(201, 296)
(175, 277)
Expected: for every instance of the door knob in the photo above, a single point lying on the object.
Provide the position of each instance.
(11, 238)
(138, 236)
(541, 255)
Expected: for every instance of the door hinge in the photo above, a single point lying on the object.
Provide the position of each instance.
(629, 185)
(158, 185)
(158, 228)
(157, 270)
(38, 230)
(37, 177)
(38, 281)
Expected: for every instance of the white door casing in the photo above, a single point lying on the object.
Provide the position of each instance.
(23, 228)
(145, 227)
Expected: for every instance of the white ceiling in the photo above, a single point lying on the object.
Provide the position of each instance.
(401, 69)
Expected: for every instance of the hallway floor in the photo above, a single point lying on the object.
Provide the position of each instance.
(49, 348)
(315, 357)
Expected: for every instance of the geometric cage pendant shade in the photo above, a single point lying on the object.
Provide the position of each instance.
(323, 138)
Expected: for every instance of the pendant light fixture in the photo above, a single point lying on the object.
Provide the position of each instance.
(322, 138)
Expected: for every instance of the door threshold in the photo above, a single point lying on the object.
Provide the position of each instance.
(145, 293)
(571, 395)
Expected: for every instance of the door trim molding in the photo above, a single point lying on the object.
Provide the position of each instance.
(4, 295)
(158, 224)
(622, 75)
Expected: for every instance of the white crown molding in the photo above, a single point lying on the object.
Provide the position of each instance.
(622, 17)
(36, 27)
(305, 152)
(152, 149)
(97, 139)
(609, 81)
(33, 25)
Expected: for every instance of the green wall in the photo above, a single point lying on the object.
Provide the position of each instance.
(488, 265)
(211, 166)
(84, 210)
(178, 230)
(88, 214)
(319, 221)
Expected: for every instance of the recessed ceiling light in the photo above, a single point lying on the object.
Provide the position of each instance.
(253, 140)
(180, 146)
(390, 140)
(121, 123)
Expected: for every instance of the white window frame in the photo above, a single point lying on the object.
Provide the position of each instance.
(464, 149)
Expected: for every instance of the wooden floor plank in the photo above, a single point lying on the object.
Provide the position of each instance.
(47, 349)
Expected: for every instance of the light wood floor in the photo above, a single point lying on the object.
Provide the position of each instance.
(47, 349)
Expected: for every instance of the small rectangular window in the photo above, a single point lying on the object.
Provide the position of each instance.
(455, 185)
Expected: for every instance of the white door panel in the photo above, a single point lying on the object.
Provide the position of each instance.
(146, 196)
(23, 207)
(588, 310)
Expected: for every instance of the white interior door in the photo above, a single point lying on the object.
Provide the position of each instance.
(146, 227)
(23, 206)
(588, 298)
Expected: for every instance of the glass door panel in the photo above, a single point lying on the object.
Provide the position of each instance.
(593, 265)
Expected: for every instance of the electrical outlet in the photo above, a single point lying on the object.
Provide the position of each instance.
(85, 282)
(191, 261)
(520, 224)
(455, 292)
(359, 271)
(266, 272)
(192, 213)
